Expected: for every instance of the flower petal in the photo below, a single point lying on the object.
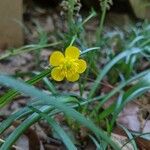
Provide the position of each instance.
(57, 74)
(56, 58)
(82, 65)
(72, 52)
(73, 77)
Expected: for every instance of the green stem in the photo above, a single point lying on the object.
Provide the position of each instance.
(89, 17)
(99, 32)
(71, 4)
(73, 39)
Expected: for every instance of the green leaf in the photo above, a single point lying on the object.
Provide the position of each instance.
(103, 72)
(119, 88)
(25, 49)
(36, 93)
(130, 137)
(135, 91)
(6, 98)
(56, 128)
(18, 115)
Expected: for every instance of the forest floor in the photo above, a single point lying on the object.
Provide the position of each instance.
(135, 116)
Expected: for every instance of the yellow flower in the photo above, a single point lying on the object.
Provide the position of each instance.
(68, 66)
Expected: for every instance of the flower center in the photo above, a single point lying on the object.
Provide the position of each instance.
(69, 66)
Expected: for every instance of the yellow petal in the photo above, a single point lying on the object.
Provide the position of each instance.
(57, 74)
(82, 65)
(56, 58)
(73, 77)
(72, 52)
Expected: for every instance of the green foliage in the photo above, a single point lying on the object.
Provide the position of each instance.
(121, 68)
(35, 93)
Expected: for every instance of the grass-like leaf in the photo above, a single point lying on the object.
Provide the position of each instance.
(35, 93)
(103, 72)
(67, 141)
(6, 98)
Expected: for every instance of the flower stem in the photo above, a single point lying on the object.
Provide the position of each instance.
(73, 39)
(99, 32)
